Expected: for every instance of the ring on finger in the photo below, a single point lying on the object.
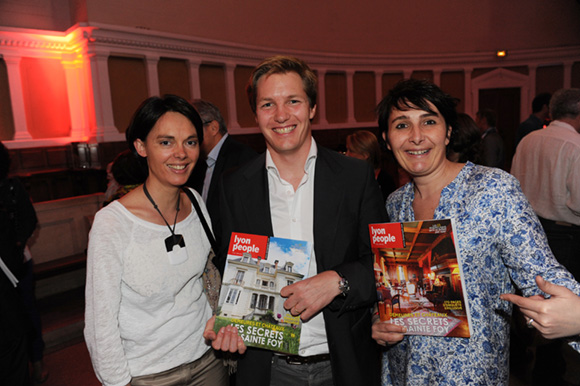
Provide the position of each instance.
(529, 323)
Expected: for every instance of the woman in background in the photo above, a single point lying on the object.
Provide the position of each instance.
(127, 171)
(501, 241)
(364, 145)
(145, 305)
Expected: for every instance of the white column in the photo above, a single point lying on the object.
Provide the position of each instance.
(568, 74)
(350, 118)
(17, 97)
(194, 85)
(378, 87)
(105, 129)
(468, 92)
(321, 104)
(152, 75)
(437, 77)
(77, 96)
(231, 96)
(532, 69)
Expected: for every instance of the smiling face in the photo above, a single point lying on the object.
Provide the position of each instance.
(418, 139)
(171, 149)
(283, 114)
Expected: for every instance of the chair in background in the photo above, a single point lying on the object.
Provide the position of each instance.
(396, 300)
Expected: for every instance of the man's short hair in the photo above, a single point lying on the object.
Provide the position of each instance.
(565, 103)
(489, 116)
(540, 100)
(209, 112)
(282, 65)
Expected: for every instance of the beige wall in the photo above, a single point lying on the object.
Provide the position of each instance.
(371, 26)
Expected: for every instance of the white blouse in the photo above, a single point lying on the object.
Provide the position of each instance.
(143, 314)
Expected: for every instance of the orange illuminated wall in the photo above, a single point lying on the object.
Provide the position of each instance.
(45, 98)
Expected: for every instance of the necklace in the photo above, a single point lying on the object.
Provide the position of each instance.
(174, 239)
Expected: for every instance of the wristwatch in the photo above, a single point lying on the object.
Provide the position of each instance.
(343, 284)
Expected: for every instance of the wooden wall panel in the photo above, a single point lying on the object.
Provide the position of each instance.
(388, 81)
(174, 77)
(576, 75)
(428, 75)
(128, 80)
(453, 83)
(212, 80)
(245, 114)
(549, 79)
(335, 91)
(364, 94)
(6, 120)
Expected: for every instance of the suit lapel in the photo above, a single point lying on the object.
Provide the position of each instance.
(256, 199)
(328, 194)
(218, 167)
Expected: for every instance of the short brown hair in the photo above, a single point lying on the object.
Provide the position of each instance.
(365, 143)
(281, 65)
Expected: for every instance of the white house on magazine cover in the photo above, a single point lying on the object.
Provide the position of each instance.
(251, 287)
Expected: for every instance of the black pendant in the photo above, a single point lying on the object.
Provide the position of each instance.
(173, 240)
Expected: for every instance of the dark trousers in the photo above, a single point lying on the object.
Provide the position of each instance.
(564, 241)
(13, 342)
(34, 326)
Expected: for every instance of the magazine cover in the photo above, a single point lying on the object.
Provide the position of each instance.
(419, 277)
(257, 268)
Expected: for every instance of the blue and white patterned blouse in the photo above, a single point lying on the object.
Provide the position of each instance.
(500, 238)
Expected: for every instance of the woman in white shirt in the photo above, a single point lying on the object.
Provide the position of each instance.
(145, 305)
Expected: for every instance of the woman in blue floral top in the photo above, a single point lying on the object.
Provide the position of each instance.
(500, 237)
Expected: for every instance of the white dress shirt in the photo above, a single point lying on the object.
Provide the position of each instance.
(547, 164)
(210, 161)
(293, 218)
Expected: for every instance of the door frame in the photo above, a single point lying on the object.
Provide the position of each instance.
(502, 78)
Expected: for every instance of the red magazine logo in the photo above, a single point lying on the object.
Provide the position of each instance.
(241, 243)
(387, 235)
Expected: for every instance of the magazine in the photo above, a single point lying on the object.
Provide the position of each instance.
(257, 268)
(419, 277)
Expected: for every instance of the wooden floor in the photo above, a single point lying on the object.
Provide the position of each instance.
(68, 361)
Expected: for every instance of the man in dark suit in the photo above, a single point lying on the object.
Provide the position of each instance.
(491, 150)
(303, 191)
(221, 154)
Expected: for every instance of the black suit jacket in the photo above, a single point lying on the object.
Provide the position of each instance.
(346, 199)
(232, 155)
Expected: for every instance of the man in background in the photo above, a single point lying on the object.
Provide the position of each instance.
(221, 153)
(547, 164)
(492, 147)
(540, 113)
